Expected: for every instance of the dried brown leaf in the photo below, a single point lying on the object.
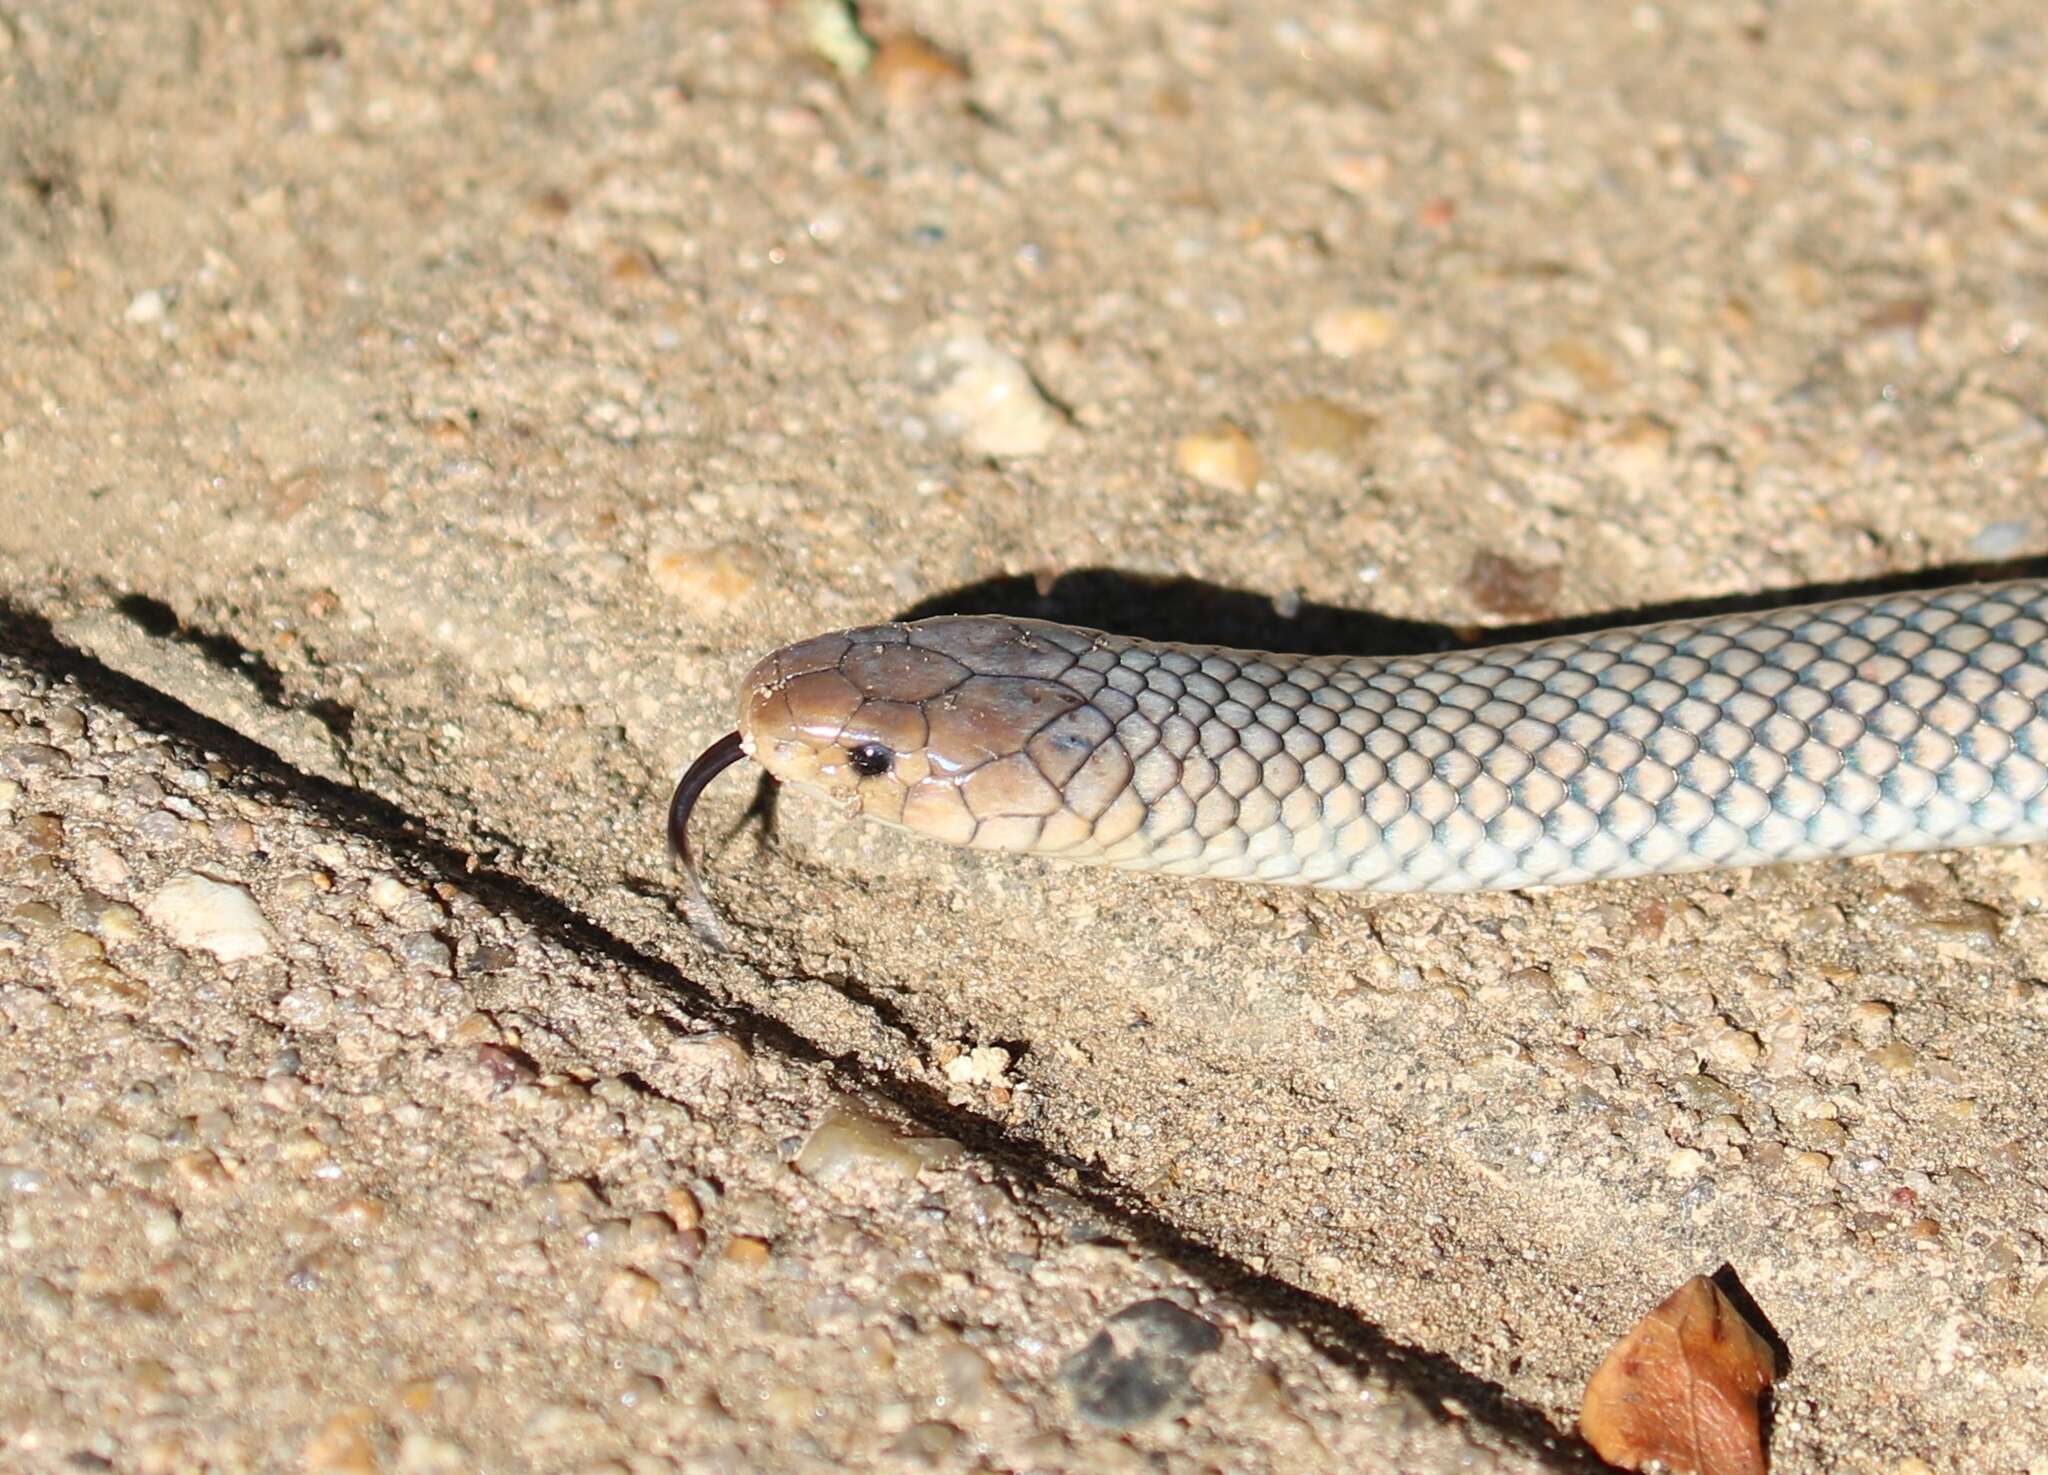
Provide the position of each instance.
(1683, 1387)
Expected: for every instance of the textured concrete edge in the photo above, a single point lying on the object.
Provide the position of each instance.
(1339, 1334)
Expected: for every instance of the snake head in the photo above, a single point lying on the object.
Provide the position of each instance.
(957, 728)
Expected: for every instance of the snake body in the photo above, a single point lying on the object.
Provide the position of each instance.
(1909, 721)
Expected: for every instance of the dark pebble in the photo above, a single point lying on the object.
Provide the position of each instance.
(1137, 1366)
(30, 760)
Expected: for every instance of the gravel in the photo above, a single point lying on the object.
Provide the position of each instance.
(505, 381)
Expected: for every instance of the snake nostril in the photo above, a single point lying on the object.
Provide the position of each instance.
(870, 760)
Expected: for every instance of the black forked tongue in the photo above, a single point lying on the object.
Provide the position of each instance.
(713, 761)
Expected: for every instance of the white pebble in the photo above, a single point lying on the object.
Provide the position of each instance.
(1221, 456)
(216, 916)
(1686, 1162)
(989, 403)
(984, 1065)
(308, 1007)
(846, 1144)
(146, 306)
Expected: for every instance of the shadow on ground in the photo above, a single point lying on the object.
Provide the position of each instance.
(1200, 613)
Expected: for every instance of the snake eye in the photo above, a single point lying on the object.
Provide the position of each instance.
(870, 760)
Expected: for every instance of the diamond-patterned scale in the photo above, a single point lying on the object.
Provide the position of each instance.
(1909, 721)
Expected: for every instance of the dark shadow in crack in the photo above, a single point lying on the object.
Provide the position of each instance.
(1338, 1332)
(159, 621)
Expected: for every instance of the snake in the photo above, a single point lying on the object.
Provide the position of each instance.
(1904, 721)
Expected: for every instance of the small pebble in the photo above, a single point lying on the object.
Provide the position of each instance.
(105, 867)
(712, 1053)
(1139, 1365)
(846, 1144)
(1872, 1020)
(1640, 447)
(40, 832)
(910, 72)
(707, 579)
(146, 307)
(568, 1200)
(118, 922)
(650, 1231)
(1686, 1162)
(39, 915)
(218, 917)
(425, 950)
(629, 1296)
(964, 1378)
(343, 1446)
(503, 1068)
(302, 1149)
(1323, 430)
(746, 1252)
(1361, 174)
(432, 1454)
(1576, 364)
(930, 1445)
(989, 402)
(1709, 1097)
(307, 1007)
(1827, 1134)
(43, 1300)
(200, 1171)
(358, 1215)
(35, 760)
(2037, 1308)
(160, 1225)
(984, 1065)
(1220, 456)
(683, 1208)
(1735, 1050)
(1541, 419)
(1348, 332)
(832, 28)
(76, 947)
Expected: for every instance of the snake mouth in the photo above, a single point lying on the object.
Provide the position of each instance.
(713, 761)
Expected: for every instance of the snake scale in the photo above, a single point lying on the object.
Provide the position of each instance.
(1906, 721)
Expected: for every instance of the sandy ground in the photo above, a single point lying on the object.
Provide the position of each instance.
(415, 417)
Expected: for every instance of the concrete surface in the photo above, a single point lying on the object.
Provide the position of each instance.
(415, 417)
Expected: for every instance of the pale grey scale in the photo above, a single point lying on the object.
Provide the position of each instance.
(1165, 682)
(1156, 706)
(1128, 679)
(1902, 722)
